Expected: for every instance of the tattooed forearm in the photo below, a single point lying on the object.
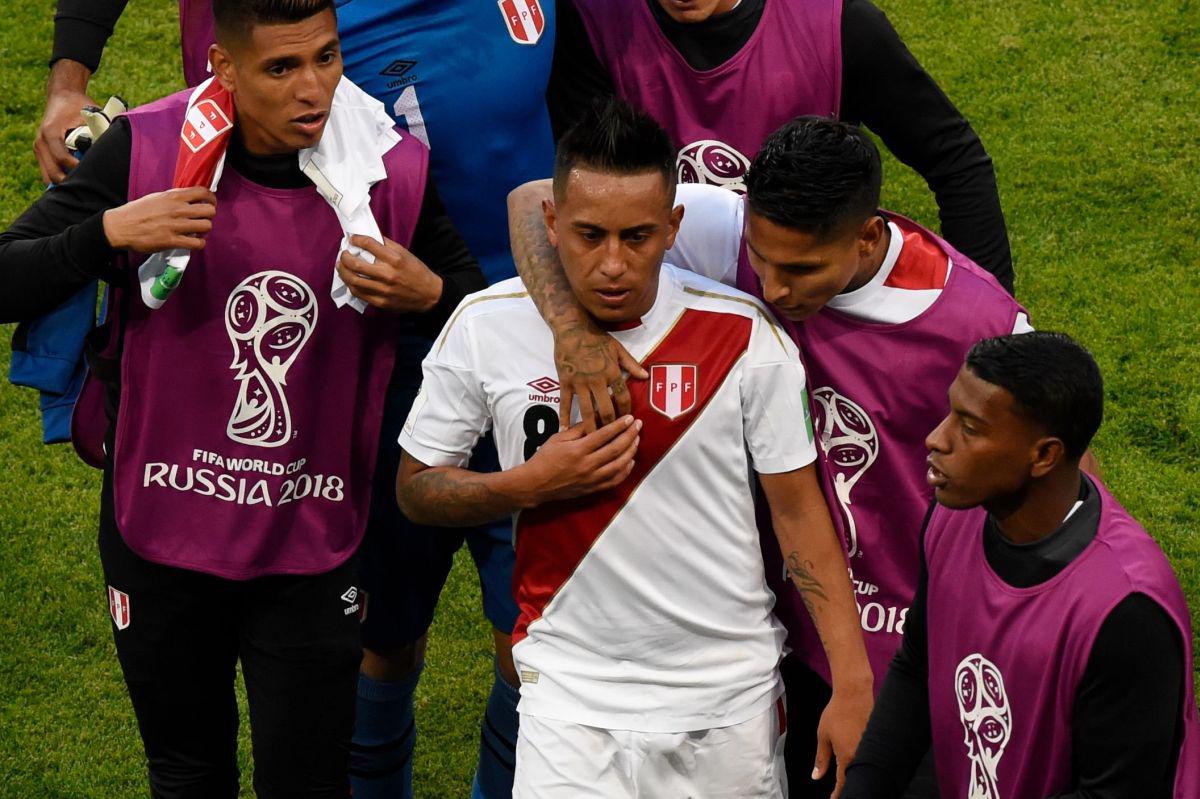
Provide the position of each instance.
(810, 588)
(452, 498)
(537, 262)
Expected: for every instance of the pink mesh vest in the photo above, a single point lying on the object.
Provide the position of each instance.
(1005, 663)
(876, 391)
(791, 65)
(250, 405)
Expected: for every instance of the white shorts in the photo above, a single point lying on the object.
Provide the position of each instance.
(558, 759)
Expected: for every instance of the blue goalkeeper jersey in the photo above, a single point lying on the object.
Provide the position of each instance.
(468, 78)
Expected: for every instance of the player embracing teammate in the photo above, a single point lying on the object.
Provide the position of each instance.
(884, 313)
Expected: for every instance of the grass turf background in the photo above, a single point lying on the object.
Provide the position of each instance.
(1090, 113)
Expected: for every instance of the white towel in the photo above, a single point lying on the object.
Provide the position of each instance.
(345, 164)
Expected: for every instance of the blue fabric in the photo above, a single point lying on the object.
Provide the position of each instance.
(47, 355)
(451, 74)
(497, 743)
(385, 734)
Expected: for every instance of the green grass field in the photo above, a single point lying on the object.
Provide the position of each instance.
(1090, 113)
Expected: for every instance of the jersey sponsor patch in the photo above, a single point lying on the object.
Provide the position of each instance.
(524, 20)
(118, 607)
(673, 388)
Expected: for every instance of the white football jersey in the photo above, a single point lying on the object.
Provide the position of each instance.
(644, 607)
(906, 285)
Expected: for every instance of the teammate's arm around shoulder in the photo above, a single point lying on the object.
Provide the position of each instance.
(591, 364)
(451, 413)
(779, 435)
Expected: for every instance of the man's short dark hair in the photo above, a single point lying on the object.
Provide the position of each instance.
(235, 18)
(816, 175)
(615, 138)
(1054, 380)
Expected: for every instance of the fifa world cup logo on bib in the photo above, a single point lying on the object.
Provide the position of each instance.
(986, 719)
(848, 439)
(714, 163)
(269, 317)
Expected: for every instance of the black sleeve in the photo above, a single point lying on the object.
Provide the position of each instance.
(82, 28)
(438, 244)
(898, 734)
(577, 78)
(58, 246)
(1128, 710)
(884, 88)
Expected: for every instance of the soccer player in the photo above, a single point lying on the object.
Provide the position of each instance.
(236, 489)
(883, 312)
(469, 81)
(646, 646)
(720, 75)
(1048, 651)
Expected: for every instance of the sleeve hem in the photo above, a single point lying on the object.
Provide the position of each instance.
(430, 456)
(785, 463)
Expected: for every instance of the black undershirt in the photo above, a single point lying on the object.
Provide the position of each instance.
(1121, 747)
(883, 88)
(58, 245)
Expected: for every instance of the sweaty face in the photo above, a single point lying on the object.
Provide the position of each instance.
(984, 449)
(282, 78)
(799, 272)
(695, 10)
(611, 232)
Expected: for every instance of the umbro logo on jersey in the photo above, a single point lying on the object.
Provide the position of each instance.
(351, 598)
(397, 68)
(543, 387)
(402, 71)
(673, 388)
(524, 19)
(118, 607)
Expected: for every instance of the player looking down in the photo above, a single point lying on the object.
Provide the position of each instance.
(646, 645)
(883, 312)
(245, 412)
(1048, 651)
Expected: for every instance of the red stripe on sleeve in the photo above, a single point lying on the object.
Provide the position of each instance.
(553, 539)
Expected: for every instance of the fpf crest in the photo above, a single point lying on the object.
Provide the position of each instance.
(524, 19)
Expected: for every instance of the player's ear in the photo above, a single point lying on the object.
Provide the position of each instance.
(549, 217)
(675, 221)
(222, 66)
(1048, 454)
(871, 235)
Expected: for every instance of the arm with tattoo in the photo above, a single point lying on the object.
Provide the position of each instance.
(817, 566)
(589, 361)
(570, 464)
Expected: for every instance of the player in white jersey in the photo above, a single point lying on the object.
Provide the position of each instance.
(646, 646)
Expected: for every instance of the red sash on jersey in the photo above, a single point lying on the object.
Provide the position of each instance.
(560, 534)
